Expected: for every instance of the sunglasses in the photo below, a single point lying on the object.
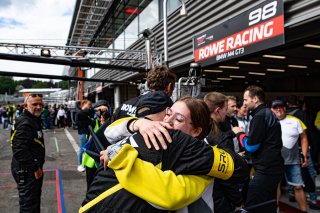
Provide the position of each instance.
(35, 95)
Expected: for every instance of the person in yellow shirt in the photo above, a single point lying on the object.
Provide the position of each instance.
(317, 120)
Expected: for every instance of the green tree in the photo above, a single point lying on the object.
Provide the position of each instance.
(7, 85)
(62, 84)
(40, 84)
(27, 83)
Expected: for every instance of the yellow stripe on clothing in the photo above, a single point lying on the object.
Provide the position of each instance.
(12, 136)
(100, 197)
(304, 127)
(223, 165)
(39, 142)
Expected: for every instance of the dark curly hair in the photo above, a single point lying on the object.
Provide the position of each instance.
(160, 77)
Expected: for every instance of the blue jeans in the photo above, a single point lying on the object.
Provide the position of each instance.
(83, 140)
(5, 123)
(313, 174)
(46, 123)
(293, 175)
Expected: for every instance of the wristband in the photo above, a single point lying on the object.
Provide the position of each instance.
(133, 123)
(129, 124)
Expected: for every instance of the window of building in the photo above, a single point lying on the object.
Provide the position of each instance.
(149, 17)
(172, 5)
(131, 33)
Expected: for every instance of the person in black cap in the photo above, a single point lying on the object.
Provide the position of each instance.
(313, 135)
(292, 132)
(102, 108)
(151, 106)
(152, 103)
(90, 163)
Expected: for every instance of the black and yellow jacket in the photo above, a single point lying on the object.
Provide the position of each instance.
(27, 143)
(186, 155)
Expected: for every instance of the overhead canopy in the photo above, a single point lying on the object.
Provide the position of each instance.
(98, 22)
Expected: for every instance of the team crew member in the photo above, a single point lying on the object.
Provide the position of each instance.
(294, 109)
(102, 121)
(160, 78)
(292, 131)
(226, 195)
(106, 179)
(265, 144)
(28, 154)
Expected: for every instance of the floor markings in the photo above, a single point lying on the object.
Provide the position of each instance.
(59, 189)
(57, 145)
(72, 140)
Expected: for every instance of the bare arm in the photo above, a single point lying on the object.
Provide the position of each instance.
(304, 148)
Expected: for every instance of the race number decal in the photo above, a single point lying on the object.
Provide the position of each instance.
(263, 13)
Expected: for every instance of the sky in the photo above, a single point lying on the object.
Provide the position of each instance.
(44, 22)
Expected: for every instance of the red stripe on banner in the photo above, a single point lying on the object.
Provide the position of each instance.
(249, 36)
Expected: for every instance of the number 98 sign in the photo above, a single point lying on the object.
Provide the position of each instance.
(263, 13)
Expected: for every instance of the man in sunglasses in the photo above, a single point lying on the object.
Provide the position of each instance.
(28, 154)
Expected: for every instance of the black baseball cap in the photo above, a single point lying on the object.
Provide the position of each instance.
(276, 103)
(154, 102)
(101, 103)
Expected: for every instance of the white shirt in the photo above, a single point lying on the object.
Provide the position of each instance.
(291, 129)
(61, 112)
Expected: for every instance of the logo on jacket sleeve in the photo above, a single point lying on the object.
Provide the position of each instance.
(40, 134)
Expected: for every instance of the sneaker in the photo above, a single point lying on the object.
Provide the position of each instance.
(81, 168)
(314, 205)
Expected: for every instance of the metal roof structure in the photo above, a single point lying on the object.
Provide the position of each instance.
(97, 23)
(87, 17)
(74, 55)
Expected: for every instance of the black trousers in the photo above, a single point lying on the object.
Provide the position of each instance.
(262, 189)
(61, 122)
(29, 189)
(90, 173)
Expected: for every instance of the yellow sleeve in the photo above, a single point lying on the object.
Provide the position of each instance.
(304, 127)
(162, 188)
(317, 120)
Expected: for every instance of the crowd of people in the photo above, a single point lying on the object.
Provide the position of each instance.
(51, 116)
(218, 154)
